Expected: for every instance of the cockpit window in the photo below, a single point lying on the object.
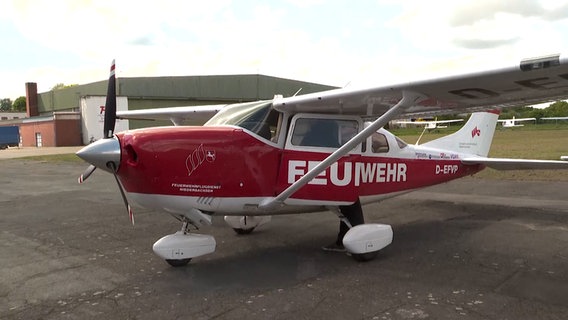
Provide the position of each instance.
(379, 143)
(401, 144)
(257, 117)
(326, 133)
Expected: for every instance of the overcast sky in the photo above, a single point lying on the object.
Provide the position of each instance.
(361, 42)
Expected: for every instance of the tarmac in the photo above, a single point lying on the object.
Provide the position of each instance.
(468, 249)
(13, 153)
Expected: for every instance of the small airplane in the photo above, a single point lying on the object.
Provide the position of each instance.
(511, 123)
(313, 152)
(430, 125)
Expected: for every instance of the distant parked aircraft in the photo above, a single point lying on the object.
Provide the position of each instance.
(429, 124)
(510, 123)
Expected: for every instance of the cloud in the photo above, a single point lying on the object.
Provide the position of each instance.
(374, 41)
(142, 41)
(472, 12)
(483, 43)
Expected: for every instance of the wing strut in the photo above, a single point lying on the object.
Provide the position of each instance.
(409, 99)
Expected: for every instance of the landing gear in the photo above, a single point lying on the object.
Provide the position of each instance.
(242, 231)
(363, 241)
(178, 263)
(364, 257)
(246, 224)
(179, 248)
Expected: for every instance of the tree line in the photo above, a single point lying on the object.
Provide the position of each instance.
(18, 105)
(556, 109)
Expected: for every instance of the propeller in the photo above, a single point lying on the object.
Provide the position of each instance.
(122, 193)
(110, 118)
(87, 173)
(110, 105)
(105, 153)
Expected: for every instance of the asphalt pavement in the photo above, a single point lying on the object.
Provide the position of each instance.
(469, 249)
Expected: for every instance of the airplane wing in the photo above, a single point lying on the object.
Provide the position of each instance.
(515, 120)
(428, 122)
(531, 81)
(418, 123)
(448, 121)
(190, 115)
(517, 164)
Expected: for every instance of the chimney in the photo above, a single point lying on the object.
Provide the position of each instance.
(31, 99)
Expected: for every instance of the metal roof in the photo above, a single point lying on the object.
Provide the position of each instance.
(230, 88)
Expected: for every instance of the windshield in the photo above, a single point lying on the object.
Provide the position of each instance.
(258, 117)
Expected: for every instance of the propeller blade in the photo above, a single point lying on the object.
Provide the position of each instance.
(110, 105)
(87, 173)
(128, 208)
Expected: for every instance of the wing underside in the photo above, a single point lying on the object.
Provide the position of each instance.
(532, 81)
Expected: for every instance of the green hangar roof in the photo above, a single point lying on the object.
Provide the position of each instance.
(154, 92)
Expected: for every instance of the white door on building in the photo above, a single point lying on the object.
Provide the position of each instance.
(38, 140)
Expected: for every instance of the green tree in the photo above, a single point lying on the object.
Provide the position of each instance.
(58, 86)
(536, 113)
(62, 86)
(5, 104)
(19, 104)
(557, 109)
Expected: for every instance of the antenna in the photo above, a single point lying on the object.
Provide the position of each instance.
(297, 92)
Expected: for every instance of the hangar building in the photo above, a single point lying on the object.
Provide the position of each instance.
(56, 118)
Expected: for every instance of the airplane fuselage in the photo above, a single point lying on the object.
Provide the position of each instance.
(229, 170)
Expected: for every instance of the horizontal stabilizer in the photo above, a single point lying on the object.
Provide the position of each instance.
(516, 164)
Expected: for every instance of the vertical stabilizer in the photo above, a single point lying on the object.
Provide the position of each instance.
(473, 138)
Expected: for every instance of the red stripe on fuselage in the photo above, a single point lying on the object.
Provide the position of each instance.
(229, 162)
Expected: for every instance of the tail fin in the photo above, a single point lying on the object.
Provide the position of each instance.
(473, 138)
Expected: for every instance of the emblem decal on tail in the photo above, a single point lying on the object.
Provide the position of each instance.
(475, 132)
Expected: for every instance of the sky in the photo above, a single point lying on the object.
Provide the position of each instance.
(339, 43)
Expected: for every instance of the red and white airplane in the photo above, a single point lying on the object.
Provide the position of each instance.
(311, 152)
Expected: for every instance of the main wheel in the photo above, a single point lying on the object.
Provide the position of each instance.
(243, 231)
(178, 262)
(364, 257)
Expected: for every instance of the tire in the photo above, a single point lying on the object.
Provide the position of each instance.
(241, 231)
(178, 262)
(364, 257)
